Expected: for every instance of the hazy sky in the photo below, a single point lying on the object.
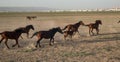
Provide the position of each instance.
(62, 4)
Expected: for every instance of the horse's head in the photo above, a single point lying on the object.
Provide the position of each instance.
(81, 23)
(98, 22)
(30, 27)
(59, 30)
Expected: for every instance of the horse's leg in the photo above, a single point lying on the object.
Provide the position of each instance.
(38, 42)
(27, 35)
(21, 37)
(16, 43)
(78, 33)
(6, 43)
(50, 41)
(97, 30)
(1, 40)
(65, 36)
(89, 31)
(53, 41)
(71, 37)
(92, 31)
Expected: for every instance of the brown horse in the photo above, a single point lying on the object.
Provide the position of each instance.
(68, 33)
(46, 35)
(94, 26)
(73, 27)
(26, 29)
(11, 35)
(31, 17)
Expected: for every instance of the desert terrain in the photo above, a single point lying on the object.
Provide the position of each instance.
(104, 47)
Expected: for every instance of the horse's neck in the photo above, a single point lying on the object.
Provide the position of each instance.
(27, 28)
(53, 31)
(77, 25)
(97, 24)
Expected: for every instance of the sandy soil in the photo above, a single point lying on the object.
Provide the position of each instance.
(100, 48)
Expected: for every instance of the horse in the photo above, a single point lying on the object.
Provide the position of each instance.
(73, 27)
(68, 33)
(26, 29)
(94, 26)
(11, 35)
(46, 35)
(31, 17)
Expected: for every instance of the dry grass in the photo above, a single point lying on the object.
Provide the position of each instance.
(101, 48)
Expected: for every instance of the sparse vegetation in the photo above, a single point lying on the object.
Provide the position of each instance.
(99, 48)
(76, 54)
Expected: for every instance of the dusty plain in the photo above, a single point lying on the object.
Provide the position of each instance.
(104, 47)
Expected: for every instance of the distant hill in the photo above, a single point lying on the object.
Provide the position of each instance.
(24, 9)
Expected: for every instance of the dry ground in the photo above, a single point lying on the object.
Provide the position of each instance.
(101, 48)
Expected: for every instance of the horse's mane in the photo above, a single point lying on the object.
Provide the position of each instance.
(77, 24)
(29, 25)
(52, 29)
(18, 30)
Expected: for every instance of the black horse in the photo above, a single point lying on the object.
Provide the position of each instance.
(26, 29)
(11, 35)
(47, 35)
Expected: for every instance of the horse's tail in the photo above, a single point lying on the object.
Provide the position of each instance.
(1, 33)
(64, 28)
(34, 34)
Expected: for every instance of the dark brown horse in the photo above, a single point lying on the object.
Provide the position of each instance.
(11, 35)
(46, 35)
(73, 27)
(94, 26)
(68, 33)
(31, 17)
(26, 29)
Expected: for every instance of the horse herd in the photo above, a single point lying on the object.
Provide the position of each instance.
(68, 30)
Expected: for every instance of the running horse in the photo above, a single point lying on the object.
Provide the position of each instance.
(26, 29)
(94, 26)
(73, 27)
(46, 35)
(31, 17)
(11, 35)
